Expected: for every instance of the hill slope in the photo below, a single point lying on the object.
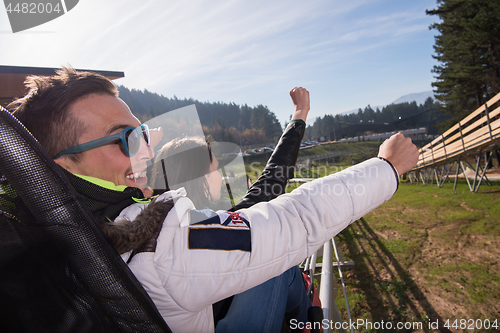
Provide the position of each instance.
(420, 98)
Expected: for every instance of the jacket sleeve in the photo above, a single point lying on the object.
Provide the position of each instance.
(279, 169)
(284, 231)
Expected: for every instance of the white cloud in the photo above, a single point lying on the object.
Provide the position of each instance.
(235, 50)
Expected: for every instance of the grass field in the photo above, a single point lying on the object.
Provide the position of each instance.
(427, 254)
(350, 152)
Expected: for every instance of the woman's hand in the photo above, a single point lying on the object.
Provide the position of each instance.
(300, 98)
(156, 135)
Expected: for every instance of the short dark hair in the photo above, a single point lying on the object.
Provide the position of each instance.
(45, 108)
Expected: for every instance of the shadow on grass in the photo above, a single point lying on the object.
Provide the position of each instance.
(387, 299)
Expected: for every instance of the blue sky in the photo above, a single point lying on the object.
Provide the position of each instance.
(348, 54)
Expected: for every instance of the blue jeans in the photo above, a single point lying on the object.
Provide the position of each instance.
(262, 308)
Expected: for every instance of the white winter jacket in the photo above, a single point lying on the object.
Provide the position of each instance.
(198, 264)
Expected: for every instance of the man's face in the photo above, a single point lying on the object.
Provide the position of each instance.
(103, 115)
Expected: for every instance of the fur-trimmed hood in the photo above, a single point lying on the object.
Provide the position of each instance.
(139, 235)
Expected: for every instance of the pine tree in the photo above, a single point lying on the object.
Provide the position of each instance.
(468, 49)
(222, 121)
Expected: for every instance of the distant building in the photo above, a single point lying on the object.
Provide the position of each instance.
(12, 79)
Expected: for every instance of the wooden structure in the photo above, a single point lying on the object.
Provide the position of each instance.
(12, 79)
(477, 137)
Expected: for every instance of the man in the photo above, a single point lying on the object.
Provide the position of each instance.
(71, 112)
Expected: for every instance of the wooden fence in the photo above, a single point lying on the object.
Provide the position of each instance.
(476, 133)
(473, 136)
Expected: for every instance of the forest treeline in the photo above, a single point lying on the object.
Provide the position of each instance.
(246, 126)
(379, 119)
(226, 122)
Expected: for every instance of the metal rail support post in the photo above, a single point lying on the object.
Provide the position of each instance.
(456, 175)
(484, 172)
(445, 172)
(422, 177)
(486, 180)
(339, 267)
(461, 136)
(478, 160)
(466, 177)
(328, 284)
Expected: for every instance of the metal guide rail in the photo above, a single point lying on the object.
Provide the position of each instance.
(328, 285)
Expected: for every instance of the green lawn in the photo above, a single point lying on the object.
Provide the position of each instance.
(427, 254)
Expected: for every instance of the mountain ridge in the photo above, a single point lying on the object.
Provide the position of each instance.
(420, 98)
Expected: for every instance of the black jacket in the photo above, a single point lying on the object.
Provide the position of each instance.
(279, 169)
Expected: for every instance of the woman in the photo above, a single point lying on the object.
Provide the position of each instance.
(264, 305)
(190, 163)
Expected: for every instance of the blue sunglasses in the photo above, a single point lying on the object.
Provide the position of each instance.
(130, 138)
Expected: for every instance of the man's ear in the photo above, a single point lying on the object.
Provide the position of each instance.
(66, 163)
